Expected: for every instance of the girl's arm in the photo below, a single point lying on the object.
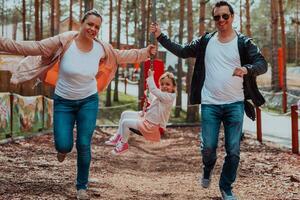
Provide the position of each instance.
(165, 97)
(45, 47)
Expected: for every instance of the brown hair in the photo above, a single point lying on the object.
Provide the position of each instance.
(91, 12)
(170, 76)
(222, 3)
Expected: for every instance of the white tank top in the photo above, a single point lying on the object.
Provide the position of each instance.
(220, 87)
(77, 72)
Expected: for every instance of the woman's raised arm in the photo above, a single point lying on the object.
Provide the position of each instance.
(45, 47)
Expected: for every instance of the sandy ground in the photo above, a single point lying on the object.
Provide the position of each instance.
(167, 170)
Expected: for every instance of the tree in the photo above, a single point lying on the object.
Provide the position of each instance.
(70, 15)
(248, 24)
(15, 24)
(191, 110)
(116, 91)
(274, 37)
(55, 17)
(24, 19)
(179, 67)
(283, 40)
(142, 45)
(88, 5)
(108, 91)
(41, 19)
(202, 17)
(241, 16)
(80, 9)
(36, 19)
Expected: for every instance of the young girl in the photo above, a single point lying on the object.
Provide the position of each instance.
(156, 116)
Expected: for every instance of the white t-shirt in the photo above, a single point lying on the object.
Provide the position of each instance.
(220, 87)
(77, 72)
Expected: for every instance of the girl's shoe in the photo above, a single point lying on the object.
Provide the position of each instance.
(120, 148)
(113, 140)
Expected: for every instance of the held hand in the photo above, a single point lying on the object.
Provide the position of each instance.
(155, 28)
(240, 71)
(152, 49)
(150, 72)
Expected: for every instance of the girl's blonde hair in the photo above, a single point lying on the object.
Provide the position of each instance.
(170, 76)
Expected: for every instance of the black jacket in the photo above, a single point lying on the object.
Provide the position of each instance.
(251, 58)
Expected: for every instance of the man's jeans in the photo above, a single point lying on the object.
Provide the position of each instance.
(84, 113)
(232, 117)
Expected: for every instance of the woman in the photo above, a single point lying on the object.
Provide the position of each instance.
(79, 65)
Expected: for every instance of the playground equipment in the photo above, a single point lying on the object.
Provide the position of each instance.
(152, 64)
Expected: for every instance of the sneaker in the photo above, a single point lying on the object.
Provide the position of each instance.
(228, 195)
(61, 156)
(113, 140)
(82, 195)
(206, 179)
(120, 148)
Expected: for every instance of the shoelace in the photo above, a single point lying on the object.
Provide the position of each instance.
(119, 146)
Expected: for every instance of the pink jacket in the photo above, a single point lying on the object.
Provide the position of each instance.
(43, 55)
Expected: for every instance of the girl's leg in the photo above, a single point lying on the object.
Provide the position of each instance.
(113, 140)
(86, 122)
(125, 125)
(125, 116)
(63, 124)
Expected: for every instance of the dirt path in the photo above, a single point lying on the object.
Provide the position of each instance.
(168, 170)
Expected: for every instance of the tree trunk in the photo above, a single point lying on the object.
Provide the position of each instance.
(127, 21)
(15, 24)
(241, 16)
(179, 68)
(41, 19)
(108, 91)
(170, 21)
(148, 20)
(274, 37)
(141, 45)
(80, 10)
(52, 16)
(191, 110)
(24, 19)
(2, 18)
(248, 24)
(36, 20)
(136, 22)
(283, 41)
(202, 17)
(297, 33)
(70, 15)
(56, 16)
(88, 5)
(116, 91)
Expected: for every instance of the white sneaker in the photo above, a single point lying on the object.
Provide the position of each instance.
(113, 140)
(82, 195)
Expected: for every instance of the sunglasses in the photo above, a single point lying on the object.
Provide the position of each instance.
(224, 16)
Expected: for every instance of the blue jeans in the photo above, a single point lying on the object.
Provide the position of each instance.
(232, 116)
(84, 113)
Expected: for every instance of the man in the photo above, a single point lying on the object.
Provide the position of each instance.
(224, 78)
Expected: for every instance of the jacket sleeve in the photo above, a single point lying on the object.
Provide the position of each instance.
(131, 56)
(164, 97)
(258, 64)
(45, 47)
(182, 51)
